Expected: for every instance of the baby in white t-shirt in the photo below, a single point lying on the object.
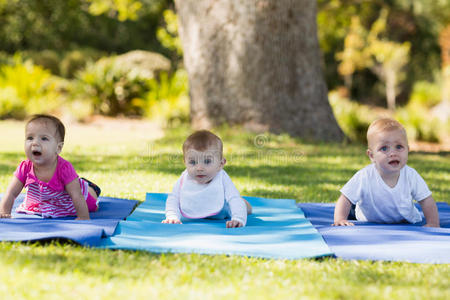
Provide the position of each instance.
(384, 192)
(204, 189)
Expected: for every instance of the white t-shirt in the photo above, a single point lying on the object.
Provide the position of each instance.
(377, 202)
(193, 200)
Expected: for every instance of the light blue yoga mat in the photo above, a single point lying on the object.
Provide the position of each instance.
(390, 242)
(276, 229)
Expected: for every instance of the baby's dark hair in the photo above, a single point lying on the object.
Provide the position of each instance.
(60, 129)
(202, 140)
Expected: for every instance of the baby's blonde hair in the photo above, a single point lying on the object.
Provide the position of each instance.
(383, 125)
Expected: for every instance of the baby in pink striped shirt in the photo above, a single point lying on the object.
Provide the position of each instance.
(53, 187)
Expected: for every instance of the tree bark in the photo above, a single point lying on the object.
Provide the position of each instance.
(257, 63)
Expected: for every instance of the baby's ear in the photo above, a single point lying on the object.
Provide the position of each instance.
(224, 161)
(369, 154)
(59, 147)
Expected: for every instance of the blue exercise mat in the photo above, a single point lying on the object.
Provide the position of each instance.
(390, 242)
(276, 229)
(23, 227)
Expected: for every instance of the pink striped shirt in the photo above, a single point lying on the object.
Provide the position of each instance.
(48, 199)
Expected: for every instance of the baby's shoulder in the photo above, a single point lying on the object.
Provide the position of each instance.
(367, 171)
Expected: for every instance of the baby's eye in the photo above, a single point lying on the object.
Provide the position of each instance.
(399, 147)
(45, 138)
(29, 138)
(384, 148)
(207, 161)
(192, 162)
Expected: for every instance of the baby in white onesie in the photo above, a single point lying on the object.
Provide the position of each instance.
(204, 189)
(384, 192)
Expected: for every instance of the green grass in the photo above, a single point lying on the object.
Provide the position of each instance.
(127, 162)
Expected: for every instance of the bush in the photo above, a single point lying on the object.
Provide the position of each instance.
(119, 85)
(48, 59)
(353, 118)
(76, 60)
(112, 90)
(426, 94)
(6, 59)
(168, 99)
(27, 89)
(418, 123)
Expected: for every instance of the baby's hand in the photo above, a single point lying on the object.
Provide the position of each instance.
(233, 224)
(342, 223)
(82, 218)
(431, 225)
(5, 216)
(171, 221)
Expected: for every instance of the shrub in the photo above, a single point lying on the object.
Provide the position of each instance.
(426, 94)
(6, 59)
(119, 85)
(76, 60)
(112, 90)
(168, 100)
(27, 89)
(418, 123)
(48, 59)
(353, 118)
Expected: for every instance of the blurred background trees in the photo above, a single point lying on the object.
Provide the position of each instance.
(61, 57)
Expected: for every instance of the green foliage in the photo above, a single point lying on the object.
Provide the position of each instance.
(427, 94)
(48, 59)
(416, 117)
(76, 60)
(126, 9)
(417, 22)
(133, 84)
(353, 118)
(67, 25)
(27, 89)
(168, 35)
(371, 49)
(6, 59)
(168, 99)
(418, 123)
(112, 89)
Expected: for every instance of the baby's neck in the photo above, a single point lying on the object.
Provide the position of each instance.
(45, 172)
(390, 179)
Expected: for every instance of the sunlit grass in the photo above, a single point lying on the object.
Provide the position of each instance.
(128, 162)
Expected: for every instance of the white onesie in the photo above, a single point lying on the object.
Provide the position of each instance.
(195, 201)
(377, 202)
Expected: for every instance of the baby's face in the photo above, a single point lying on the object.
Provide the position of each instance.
(202, 166)
(41, 143)
(389, 150)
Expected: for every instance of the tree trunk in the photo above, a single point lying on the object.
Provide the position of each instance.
(442, 110)
(256, 62)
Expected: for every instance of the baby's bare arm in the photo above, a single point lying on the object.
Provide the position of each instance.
(430, 212)
(12, 191)
(74, 190)
(341, 212)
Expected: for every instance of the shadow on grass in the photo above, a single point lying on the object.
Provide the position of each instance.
(295, 166)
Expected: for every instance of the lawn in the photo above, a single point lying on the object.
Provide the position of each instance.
(128, 159)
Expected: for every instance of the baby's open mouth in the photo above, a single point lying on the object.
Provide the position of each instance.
(394, 162)
(37, 153)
